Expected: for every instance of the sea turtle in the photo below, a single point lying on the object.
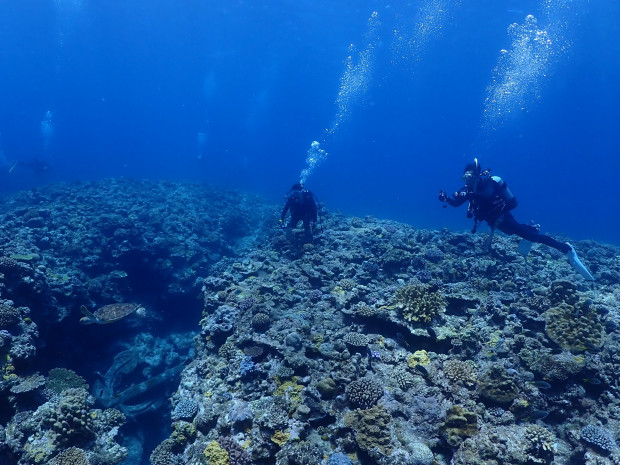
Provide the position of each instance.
(108, 313)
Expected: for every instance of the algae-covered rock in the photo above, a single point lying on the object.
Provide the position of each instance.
(497, 387)
(327, 388)
(459, 425)
(372, 428)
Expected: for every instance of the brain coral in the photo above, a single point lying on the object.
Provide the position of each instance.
(260, 321)
(419, 302)
(364, 392)
(459, 425)
(404, 379)
(460, 371)
(575, 327)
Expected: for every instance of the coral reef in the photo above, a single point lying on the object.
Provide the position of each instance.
(374, 343)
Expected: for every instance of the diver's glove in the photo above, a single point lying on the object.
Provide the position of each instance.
(579, 267)
(443, 197)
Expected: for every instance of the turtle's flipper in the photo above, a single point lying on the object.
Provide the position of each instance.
(88, 318)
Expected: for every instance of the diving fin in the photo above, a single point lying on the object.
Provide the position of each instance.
(579, 267)
(524, 247)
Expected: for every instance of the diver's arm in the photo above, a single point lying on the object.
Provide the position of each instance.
(458, 198)
(287, 205)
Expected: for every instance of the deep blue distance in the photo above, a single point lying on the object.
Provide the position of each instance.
(233, 93)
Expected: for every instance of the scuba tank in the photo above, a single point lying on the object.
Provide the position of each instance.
(507, 196)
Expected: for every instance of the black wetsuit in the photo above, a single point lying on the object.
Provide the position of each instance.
(491, 201)
(303, 207)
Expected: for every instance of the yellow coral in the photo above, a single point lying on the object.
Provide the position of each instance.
(290, 388)
(280, 437)
(216, 455)
(419, 357)
(291, 391)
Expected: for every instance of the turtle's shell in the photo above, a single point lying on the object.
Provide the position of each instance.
(113, 312)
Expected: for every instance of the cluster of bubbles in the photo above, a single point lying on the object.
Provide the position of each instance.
(517, 79)
(357, 74)
(413, 32)
(47, 129)
(411, 36)
(521, 70)
(314, 156)
(353, 85)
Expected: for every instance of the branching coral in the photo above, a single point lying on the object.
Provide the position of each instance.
(216, 455)
(540, 444)
(419, 303)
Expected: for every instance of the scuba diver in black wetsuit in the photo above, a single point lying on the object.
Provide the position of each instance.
(303, 206)
(491, 201)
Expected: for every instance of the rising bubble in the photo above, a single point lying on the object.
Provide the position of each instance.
(414, 31)
(354, 84)
(523, 69)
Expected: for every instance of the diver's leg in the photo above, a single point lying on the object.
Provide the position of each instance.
(510, 226)
(307, 228)
(531, 233)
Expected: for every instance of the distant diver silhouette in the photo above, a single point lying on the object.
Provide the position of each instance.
(37, 165)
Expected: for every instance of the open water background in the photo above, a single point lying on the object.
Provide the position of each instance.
(400, 95)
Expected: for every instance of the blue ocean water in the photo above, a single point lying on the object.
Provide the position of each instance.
(399, 96)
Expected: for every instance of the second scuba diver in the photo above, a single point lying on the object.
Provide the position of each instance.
(491, 201)
(303, 206)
